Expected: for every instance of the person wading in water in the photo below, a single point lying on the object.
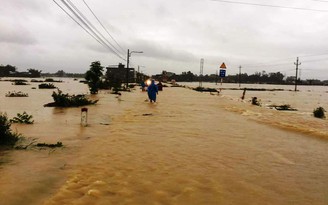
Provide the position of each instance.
(152, 91)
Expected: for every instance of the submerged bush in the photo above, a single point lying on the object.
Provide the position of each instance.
(66, 100)
(7, 138)
(201, 89)
(20, 82)
(319, 112)
(16, 94)
(23, 118)
(52, 80)
(47, 86)
(255, 101)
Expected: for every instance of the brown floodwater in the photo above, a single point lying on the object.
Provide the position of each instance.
(188, 148)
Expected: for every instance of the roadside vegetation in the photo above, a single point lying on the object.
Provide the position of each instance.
(66, 100)
(93, 77)
(7, 136)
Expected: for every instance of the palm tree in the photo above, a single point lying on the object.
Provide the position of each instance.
(93, 76)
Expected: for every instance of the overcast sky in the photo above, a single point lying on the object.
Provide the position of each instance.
(173, 35)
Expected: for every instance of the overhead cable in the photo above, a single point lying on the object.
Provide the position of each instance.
(103, 26)
(77, 22)
(82, 23)
(268, 5)
(93, 27)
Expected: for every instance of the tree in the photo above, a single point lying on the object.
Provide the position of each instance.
(34, 73)
(276, 77)
(60, 73)
(7, 70)
(93, 76)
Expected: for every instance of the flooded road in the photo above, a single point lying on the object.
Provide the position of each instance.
(189, 148)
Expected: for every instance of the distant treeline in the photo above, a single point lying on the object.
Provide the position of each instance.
(61, 73)
(11, 71)
(257, 77)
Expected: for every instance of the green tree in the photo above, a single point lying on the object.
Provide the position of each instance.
(34, 73)
(6, 70)
(60, 73)
(93, 76)
(7, 137)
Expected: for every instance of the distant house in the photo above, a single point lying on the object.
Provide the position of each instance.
(119, 72)
(164, 76)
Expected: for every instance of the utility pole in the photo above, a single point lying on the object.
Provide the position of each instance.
(201, 72)
(216, 77)
(127, 67)
(297, 64)
(239, 75)
(127, 70)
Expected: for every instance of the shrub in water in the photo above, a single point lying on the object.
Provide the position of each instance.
(66, 100)
(255, 101)
(7, 138)
(47, 86)
(23, 118)
(20, 82)
(16, 94)
(319, 112)
(201, 89)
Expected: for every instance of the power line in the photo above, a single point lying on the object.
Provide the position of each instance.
(321, 1)
(79, 20)
(104, 27)
(268, 5)
(93, 27)
(272, 63)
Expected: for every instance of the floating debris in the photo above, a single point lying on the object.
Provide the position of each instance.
(284, 107)
(58, 144)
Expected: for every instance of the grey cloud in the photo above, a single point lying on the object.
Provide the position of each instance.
(16, 36)
(156, 50)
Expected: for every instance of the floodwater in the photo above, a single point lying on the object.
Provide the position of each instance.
(188, 148)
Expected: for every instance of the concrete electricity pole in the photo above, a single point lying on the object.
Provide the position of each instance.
(201, 72)
(239, 75)
(127, 70)
(297, 64)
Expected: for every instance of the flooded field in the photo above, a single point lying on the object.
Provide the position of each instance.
(189, 148)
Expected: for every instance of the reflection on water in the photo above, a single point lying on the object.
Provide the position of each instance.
(189, 148)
